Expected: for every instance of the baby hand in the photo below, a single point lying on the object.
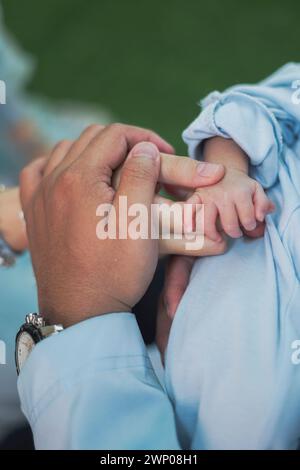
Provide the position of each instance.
(238, 201)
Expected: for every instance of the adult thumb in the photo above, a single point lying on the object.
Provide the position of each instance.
(140, 174)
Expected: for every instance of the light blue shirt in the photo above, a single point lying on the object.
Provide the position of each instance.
(232, 372)
(17, 295)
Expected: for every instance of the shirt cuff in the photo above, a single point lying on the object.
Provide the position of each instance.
(102, 343)
(247, 121)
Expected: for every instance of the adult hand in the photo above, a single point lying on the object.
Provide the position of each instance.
(177, 277)
(79, 276)
(178, 173)
(12, 226)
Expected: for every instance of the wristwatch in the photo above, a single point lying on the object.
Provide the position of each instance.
(34, 330)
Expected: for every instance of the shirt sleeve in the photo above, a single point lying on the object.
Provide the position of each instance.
(259, 118)
(93, 387)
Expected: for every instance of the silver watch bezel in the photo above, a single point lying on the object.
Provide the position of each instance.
(37, 328)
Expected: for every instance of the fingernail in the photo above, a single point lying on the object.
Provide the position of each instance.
(145, 149)
(237, 234)
(272, 208)
(207, 169)
(251, 226)
(261, 217)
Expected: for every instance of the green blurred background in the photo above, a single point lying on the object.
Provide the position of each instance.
(149, 62)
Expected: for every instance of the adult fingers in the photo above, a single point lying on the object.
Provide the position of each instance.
(178, 192)
(176, 281)
(179, 174)
(58, 153)
(139, 176)
(188, 173)
(200, 246)
(30, 179)
(110, 147)
(163, 326)
(66, 152)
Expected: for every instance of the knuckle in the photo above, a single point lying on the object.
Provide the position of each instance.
(67, 182)
(224, 206)
(209, 208)
(94, 128)
(138, 171)
(115, 127)
(108, 193)
(23, 175)
(91, 131)
(65, 143)
(224, 200)
(183, 166)
(242, 194)
(60, 145)
(177, 167)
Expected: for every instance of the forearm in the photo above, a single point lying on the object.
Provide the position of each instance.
(226, 152)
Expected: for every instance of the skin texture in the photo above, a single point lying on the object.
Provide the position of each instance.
(79, 276)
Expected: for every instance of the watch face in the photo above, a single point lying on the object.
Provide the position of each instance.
(24, 346)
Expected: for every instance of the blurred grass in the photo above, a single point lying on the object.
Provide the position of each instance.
(149, 62)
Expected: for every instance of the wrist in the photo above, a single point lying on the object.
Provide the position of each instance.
(68, 314)
(225, 152)
(230, 170)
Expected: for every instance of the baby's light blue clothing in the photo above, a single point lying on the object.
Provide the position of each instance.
(232, 381)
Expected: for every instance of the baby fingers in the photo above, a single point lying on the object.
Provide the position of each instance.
(210, 222)
(229, 220)
(263, 205)
(246, 211)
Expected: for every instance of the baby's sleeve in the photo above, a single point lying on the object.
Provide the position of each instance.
(259, 118)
